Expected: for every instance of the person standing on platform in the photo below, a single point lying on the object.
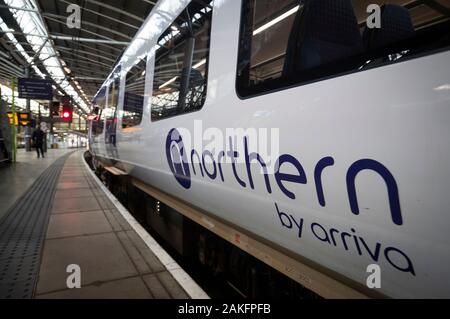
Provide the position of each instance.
(38, 139)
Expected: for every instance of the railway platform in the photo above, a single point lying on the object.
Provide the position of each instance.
(63, 235)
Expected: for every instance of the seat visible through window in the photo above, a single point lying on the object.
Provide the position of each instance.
(324, 31)
(396, 25)
(284, 43)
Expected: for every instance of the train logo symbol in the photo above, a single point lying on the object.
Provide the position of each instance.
(177, 158)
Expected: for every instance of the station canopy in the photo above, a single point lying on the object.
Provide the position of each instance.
(35, 35)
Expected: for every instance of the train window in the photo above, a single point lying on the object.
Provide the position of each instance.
(290, 42)
(109, 113)
(100, 104)
(134, 95)
(113, 93)
(181, 63)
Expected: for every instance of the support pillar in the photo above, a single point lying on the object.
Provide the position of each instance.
(28, 109)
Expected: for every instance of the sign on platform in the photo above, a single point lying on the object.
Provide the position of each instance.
(36, 89)
(22, 119)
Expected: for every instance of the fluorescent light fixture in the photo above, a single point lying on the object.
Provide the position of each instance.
(199, 64)
(276, 20)
(169, 82)
(442, 87)
(174, 28)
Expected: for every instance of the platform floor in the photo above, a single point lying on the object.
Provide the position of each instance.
(16, 178)
(85, 228)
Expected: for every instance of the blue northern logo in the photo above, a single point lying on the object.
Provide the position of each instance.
(177, 158)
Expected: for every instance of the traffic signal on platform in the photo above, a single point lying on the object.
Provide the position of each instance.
(67, 113)
(67, 109)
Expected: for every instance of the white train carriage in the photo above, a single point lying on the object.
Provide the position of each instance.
(312, 134)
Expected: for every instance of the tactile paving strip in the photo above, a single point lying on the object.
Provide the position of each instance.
(22, 232)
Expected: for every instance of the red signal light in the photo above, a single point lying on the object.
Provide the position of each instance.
(67, 113)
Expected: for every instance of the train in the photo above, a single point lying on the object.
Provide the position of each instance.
(312, 135)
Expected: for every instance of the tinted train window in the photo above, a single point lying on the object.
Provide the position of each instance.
(287, 42)
(99, 104)
(113, 94)
(181, 63)
(109, 113)
(133, 103)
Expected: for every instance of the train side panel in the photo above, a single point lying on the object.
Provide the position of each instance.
(367, 154)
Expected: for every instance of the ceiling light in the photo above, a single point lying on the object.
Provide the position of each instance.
(276, 20)
(199, 64)
(169, 82)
